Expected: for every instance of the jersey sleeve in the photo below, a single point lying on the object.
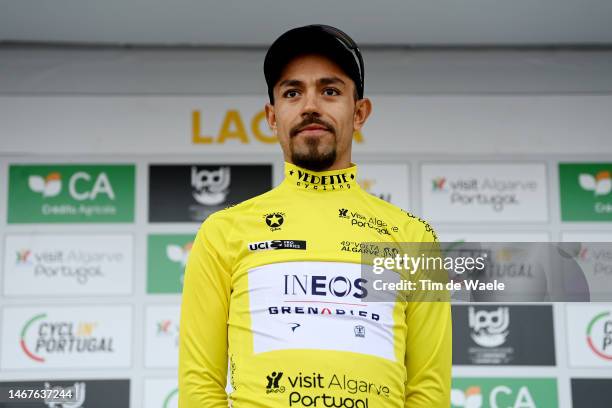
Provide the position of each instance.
(203, 325)
(428, 351)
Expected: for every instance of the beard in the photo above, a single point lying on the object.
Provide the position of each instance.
(313, 158)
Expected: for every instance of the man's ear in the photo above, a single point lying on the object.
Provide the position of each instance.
(363, 108)
(271, 116)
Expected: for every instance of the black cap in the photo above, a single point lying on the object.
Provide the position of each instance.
(314, 39)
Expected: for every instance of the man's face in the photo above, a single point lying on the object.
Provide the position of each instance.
(315, 113)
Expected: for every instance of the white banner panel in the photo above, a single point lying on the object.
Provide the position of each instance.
(66, 337)
(160, 393)
(589, 335)
(484, 192)
(162, 336)
(593, 253)
(387, 181)
(72, 265)
(398, 124)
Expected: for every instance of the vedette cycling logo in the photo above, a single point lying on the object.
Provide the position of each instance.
(600, 184)
(470, 398)
(489, 328)
(277, 244)
(49, 186)
(361, 221)
(331, 182)
(599, 335)
(273, 382)
(61, 338)
(274, 220)
(211, 187)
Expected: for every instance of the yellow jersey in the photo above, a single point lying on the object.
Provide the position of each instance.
(273, 300)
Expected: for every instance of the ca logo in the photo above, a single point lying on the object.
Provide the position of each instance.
(80, 190)
(80, 185)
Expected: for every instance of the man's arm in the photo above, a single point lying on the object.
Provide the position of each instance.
(428, 355)
(203, 326)
(429, 344)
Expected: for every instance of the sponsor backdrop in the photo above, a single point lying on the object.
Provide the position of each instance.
(93, 250)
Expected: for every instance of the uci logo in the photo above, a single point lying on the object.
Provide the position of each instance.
(277, 244)
(265, 245)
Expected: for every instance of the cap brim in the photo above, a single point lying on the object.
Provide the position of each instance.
(304, 41)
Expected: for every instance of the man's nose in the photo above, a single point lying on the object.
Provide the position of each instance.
(311, 104)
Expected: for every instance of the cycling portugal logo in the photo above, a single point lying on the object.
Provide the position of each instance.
(599, 335)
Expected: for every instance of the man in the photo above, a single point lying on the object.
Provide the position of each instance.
(270, 285)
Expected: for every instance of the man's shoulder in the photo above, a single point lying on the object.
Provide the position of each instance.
(230, 213)
(417, 222)
(410, 224)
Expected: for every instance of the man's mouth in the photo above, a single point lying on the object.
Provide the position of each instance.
(313, 130)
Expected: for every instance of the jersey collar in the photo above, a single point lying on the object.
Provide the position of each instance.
(321, 181)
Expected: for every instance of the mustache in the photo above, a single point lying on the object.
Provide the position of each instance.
(311, 120)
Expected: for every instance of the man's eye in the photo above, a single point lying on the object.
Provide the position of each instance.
(331, 92)
(292, 93)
